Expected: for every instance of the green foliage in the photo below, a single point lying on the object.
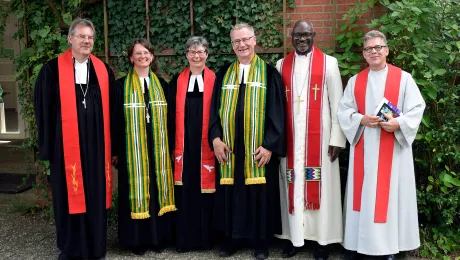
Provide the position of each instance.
(423, 38)
(350, 39)
(39, 28)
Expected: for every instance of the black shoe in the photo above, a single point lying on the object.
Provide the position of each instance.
(158, 249)
(261, 254)
(288, 250)
(63, 256)
(351, 255)
(321, 252)
(389, 257)
(227, 249)
(139, 250)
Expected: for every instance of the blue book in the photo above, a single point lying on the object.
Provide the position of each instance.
(386, 107)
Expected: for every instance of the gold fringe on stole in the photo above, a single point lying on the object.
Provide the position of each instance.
(258, 180)
(226, 181)
(142, 215)
(178, 183)
(208, 191)
(167, 209)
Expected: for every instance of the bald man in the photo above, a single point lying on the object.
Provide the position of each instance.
(310, 179)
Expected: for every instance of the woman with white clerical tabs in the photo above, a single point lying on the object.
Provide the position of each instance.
(145, 177)
(194, 169)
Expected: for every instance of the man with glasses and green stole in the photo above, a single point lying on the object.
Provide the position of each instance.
(246, 132)
(380, 203)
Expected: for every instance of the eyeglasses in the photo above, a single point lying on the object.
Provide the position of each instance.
(244, 40)
(145, 53)
(376, 47)
(302, 35)
(84, 37)
(193, 53)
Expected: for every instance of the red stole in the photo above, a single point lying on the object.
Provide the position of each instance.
(313, 138)
(70, 132)
(208, 173)
(392, 86)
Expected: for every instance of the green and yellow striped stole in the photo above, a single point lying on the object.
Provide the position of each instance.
(254, 119)
(137, 150)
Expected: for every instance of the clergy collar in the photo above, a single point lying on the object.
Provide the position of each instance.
(244, 68)
(143, 80)
(382, 70)
(308, 55)
(77, 63)
(191, 82)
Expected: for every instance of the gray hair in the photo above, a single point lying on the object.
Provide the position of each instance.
(196, 41)
(240, 26)
(83, 22)
(374, 34)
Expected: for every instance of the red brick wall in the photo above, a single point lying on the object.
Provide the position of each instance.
(322, 14)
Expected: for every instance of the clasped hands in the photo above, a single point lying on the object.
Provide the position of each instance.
(374, 121)
(262, 155)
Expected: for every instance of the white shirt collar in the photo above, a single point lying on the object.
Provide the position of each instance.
(244, 68)
(81, 71)
(307, 56)
(141, 79)
(191, 83)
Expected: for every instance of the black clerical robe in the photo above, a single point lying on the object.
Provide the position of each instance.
(250, 211)
(156, 231)
(195, 209)
(78, 235)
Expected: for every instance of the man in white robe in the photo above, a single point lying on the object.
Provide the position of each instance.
(323, 224)
(380, 211)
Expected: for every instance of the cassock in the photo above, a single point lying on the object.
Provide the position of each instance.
(156, 231)
(250, 211)
(400, 231)
(195, 204)
(84, 234)
(325, 224)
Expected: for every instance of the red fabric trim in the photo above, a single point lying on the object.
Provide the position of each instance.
(208, 173)
(103, 80)
(358, 166)
(70, 132)
(387, 144)
(314, 137)
(70, 136)
(313, 151)
(286, 72)
(385, 164)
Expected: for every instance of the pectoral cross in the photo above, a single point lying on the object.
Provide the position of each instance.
(84, 102)
(315, 89)
(298, 103)
(286, 92)
(148, 117)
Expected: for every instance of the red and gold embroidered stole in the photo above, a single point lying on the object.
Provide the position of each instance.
(208, 170)
(70, 132)
(313, 138)
(392, 86)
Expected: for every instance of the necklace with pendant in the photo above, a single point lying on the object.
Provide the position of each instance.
(87, 83)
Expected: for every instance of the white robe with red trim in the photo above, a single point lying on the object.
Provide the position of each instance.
(401, 231)
(323, 225)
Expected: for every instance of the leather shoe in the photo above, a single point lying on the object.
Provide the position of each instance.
(389, 257)
(288, 251)
(261, 254)
(351, 255)
(320, 258)
(139, 250)
(227, 250)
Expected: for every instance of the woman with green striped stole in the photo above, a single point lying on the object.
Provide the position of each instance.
(145, 178)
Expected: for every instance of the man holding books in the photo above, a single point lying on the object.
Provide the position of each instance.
(380, 208)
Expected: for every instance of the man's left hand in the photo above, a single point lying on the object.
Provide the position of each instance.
(263, 156)
(390, 126)
(333, 152)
